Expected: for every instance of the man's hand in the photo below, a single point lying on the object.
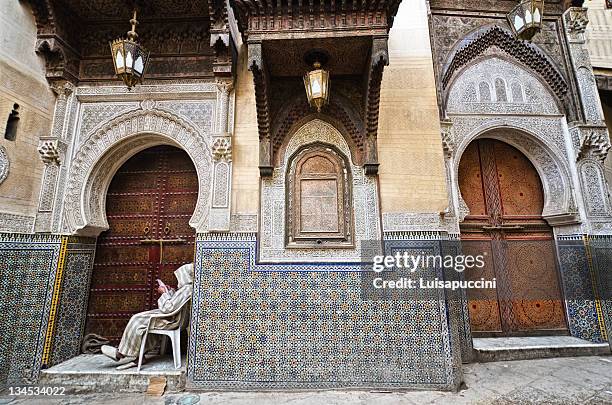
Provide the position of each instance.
(161, 289)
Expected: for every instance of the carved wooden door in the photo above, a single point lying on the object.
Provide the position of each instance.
(504, 195)
(148, 205)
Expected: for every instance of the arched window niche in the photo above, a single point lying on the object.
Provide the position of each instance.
(319, 199)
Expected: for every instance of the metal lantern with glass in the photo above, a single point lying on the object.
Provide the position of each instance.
(526, 18)
(129, 57)
(316, 81)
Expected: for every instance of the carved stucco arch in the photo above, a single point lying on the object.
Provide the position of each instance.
(478, 42)
(559, 203)
(534, 126)
(109, 146)
(340, 113)
(366, 209)
(308, 121)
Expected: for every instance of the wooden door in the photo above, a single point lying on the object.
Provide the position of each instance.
(504, 194)
(150, 199)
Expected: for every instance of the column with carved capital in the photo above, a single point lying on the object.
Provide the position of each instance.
(51, 153)
(457, 300)
(221, 149)
(575, 21)
(590, 137)
(594, 145)
(52, 149)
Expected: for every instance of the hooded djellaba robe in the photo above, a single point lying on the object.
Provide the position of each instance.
(167, 303)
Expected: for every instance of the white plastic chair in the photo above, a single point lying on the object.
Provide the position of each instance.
(173, 334)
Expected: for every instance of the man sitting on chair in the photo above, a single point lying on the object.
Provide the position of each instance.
(170, 300)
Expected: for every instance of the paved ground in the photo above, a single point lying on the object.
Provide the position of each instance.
(573, 380)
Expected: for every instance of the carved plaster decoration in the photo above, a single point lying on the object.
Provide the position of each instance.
(475, 44)
(243, 223)
(15, 223)
(55, 193)
(161, 90)
(273, 202)
(147, 104)
(448, 143)
(595, 145)
(49, 151)
(221, 189)
(47, 192)
(589, 94)
(595, 191)
(495, 85)
(339, 110)
(222, 149)
(63, 90)
(52, 152)
(576, 20)
(419, 222)
(95, 110)
(93, 115)
(5, 164)
(197, 112)
(98, 158)
(447, 217)
(224, 89)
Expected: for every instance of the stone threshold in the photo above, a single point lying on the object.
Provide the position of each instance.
(537, 347)
(97, 373)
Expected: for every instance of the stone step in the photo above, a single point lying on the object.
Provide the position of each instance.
(88, 373)
(540, 347)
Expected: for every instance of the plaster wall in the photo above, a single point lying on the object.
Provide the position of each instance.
(245, 143)
(411, 173)
(22, 81)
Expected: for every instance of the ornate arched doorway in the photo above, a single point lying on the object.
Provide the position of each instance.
(148, 205)
(504, 195)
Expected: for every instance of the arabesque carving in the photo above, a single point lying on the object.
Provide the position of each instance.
(97, 159)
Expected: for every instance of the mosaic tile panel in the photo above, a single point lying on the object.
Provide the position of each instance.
(601, 258)
(28, 265)
(306, 325)
(459, 317)
(73, 299)
(580, 302)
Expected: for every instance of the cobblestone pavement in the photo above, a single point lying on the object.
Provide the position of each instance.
(573, 380)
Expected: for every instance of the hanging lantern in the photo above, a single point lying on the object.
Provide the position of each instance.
(129, 57)
(526, 18)
(316, 83)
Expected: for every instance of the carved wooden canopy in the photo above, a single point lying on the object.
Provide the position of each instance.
(187, 39)
(354, 35)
